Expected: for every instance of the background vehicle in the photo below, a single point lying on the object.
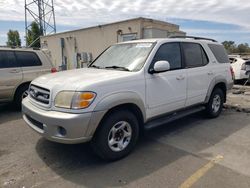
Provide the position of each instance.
(239, 67)
(18, 67)
(130, 87)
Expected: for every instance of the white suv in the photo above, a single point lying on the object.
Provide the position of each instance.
(130, 87)
(239, 66)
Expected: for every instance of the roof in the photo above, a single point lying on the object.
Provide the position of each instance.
(171, 40)
(113, 23)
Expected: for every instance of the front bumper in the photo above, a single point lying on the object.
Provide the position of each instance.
(60, 126)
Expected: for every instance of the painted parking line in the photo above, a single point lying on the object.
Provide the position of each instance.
(200, 172)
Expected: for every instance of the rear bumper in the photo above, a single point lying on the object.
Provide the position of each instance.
(59, 126)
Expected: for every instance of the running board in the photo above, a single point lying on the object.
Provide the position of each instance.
(172, 117)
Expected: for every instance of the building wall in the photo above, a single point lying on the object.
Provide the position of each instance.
(96, 39)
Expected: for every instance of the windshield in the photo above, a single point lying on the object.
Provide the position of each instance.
(127, 57)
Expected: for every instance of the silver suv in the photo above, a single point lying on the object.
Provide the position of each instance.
(130, 87)
(18, 67)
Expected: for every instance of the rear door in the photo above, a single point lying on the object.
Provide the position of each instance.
(31, 64)
(10, 75)
(199, 72)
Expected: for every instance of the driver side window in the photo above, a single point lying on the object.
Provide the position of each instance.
(170, 52)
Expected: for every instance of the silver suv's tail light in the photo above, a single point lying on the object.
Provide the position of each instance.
(53, 70)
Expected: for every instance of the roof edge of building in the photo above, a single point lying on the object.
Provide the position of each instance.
(104, 25)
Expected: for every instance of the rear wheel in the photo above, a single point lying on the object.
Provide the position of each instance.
(21, 93)
(215, 104)
(117, 135)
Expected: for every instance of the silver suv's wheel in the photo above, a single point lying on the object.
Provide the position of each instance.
(215, 104)
(20, 94)
(25, 94)
(116, 136)
(119, 136)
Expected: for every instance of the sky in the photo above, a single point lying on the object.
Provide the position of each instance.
(221, 20)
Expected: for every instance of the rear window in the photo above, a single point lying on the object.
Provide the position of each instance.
(28, 59)
(194, 55)
(219, 53)
(7, 59)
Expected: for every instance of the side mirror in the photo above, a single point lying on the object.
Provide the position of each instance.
(160, 66)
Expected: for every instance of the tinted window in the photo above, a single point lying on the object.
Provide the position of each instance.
(7, 59)
(219, 53)
(194, 55)
(27, 59)
(170, 52)
(204, 57)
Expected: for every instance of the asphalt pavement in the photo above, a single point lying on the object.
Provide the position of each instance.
(190, 152)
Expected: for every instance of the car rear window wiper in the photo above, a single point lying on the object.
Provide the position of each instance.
(117, 67)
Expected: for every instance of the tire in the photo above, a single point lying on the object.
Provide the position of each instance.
(215, 104)
(20, 94)
(114, 129)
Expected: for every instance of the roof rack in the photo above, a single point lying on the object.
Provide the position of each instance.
(192, 37)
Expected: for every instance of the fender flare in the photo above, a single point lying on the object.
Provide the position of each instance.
(213, 83)
(120, 98)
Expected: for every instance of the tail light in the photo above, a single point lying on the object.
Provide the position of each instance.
(243, 66)
(232, 73)
(53, 70)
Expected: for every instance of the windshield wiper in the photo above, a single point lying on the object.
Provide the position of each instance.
(117, 67)
(95, 66)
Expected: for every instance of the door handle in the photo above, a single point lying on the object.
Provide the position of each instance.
(180, 77)
(14, 71)
(210, 73)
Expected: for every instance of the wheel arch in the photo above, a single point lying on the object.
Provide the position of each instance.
(18, 87)
(217, 83)
(122, 101)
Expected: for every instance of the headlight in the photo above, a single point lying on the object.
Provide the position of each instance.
(74, 100)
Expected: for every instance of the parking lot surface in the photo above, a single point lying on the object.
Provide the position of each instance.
(191, 152)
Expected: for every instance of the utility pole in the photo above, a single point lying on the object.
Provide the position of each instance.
(43, 13)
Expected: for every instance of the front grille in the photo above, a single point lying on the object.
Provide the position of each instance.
(35, 122)
(39, 94)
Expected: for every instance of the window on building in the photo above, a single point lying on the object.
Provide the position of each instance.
(7, 59)
(194, 55)
(126, 37)
(27, 59)
(170, 52)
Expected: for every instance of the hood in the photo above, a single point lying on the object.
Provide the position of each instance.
(73, 79)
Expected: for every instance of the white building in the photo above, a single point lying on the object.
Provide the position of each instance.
(70, 48)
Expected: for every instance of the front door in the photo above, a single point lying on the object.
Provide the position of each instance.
(166, 92)
(10, 75)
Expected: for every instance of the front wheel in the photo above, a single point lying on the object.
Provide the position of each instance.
(116, 136)
(21, 93)
(215, 104)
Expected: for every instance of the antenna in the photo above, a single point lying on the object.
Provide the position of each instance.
(42, 12)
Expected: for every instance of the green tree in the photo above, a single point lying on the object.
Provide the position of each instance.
(33, 35)
(230, 46)
(13, 38)
(243, 48)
